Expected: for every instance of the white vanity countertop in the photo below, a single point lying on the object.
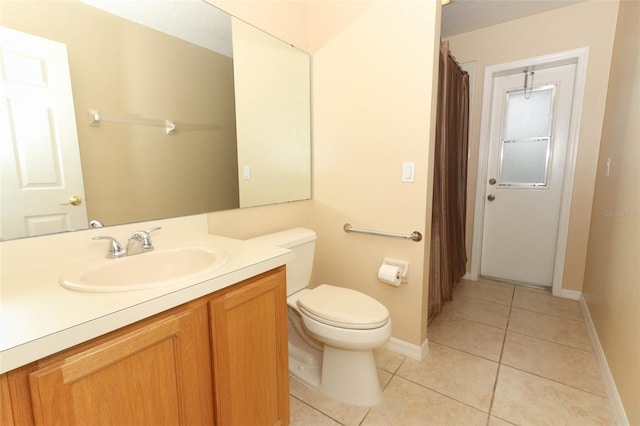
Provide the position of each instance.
(38, 317)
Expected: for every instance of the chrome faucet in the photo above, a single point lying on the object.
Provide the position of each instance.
(139, 242)
(115, 249)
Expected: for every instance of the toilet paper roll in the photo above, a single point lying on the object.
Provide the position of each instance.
(390, 274)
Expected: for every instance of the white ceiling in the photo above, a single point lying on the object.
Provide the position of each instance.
(461, 16)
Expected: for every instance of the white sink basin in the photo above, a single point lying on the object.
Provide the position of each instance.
(146, 270)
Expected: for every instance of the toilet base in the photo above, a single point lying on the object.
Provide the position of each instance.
(350, 376)
(345, 375)
(305, 361)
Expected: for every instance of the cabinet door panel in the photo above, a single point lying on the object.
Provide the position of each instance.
(147, 376)
(250, 354)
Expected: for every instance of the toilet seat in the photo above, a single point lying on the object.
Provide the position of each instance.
(343, 307)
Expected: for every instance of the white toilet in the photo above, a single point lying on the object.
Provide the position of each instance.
(332, 330)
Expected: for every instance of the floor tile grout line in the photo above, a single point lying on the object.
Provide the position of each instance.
(393, 374)
(499, 362)
(443, 394)
(552, 341)
(506, 330)
(316, 409)
(482, 300)
(429, 388)
(513, 303)
(464, 352)
(504, 339)
(477, 322)
(504, 420)
(470, 320)
(463, 296)
(548, 314)
(510, 310)
(554, 380)
(366, 414)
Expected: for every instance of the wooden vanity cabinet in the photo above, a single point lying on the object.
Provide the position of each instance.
(250, 353)
(155, 374)
(221, 359)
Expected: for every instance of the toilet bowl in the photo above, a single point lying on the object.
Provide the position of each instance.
(332, 330)
(344, 318)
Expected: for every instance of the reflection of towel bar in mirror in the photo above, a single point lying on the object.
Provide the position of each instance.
(95, 118)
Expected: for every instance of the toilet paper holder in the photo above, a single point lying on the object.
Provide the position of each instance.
(403, 265)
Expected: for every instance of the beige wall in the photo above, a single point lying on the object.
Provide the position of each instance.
(253, 221)
(373, 70)
(123, 69)
(612, 276)
(586, 24)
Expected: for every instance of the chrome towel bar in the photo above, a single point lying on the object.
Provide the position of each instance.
(415, 235)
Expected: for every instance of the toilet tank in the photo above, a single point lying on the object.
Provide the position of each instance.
(302, 242)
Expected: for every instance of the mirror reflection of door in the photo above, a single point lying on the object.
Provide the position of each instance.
(529, 133)
(42, 187)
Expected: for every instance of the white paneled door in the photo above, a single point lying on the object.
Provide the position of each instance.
(527, 151)
(41, 190)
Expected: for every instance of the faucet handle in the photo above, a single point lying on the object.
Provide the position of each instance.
(115, 249)
(157, 228)
(143, 237)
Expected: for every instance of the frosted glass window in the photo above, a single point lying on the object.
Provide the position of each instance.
(524, 162)
(529, 118)
(526, 143)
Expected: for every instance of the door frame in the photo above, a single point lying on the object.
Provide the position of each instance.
(580, 58)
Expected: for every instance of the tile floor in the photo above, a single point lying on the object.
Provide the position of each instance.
(498, 354)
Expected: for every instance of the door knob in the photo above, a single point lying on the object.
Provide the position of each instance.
(73, 201)
(491, 197)
(492, 181)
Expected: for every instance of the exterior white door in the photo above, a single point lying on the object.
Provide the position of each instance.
(527, 151)
(39, 154)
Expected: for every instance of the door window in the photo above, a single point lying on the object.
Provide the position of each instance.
(526, 146)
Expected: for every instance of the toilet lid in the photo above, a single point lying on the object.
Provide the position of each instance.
(342, 307)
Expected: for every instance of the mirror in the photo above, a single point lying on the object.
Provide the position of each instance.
(241, 117)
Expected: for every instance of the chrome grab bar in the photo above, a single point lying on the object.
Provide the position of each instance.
(415, 235)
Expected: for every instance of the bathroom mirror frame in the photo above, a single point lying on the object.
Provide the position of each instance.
(283, 166)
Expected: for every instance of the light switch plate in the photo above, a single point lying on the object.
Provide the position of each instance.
(408, 172)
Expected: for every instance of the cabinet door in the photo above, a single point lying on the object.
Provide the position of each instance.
(15, 409)
(250, 352)
(159, 373)
(6, 408)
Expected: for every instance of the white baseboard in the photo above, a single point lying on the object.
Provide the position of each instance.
(615, 403)
(412, 351)
(467, 276)
(571, 294)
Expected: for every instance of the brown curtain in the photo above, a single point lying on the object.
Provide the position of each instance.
(448, 254)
